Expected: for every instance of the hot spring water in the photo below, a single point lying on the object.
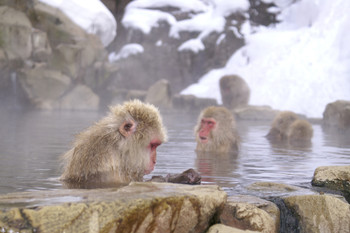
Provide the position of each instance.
(31, 143)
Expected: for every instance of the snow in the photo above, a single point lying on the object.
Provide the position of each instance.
(206, 17)
(302, 64)
(91, 15)
(126, 51)
(146, 19)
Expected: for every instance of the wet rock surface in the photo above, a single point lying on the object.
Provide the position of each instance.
(334, 178)
(138, 207)
(251, 213)
(320, 213)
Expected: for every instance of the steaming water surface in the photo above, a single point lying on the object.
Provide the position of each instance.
(31, 143)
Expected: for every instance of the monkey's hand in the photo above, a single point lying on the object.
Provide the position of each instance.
(189, 176)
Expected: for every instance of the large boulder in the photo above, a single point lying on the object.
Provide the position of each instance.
(15, 33)
(320, 213)
(138, 207)
(251, 213)
(43, 86)
(337, 115)
(333, 177)
(80, 97)
(58, 26)
(159, 94)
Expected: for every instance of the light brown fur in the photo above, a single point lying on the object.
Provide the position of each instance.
(102, 154)
(281, 124)
(224, 137)
(289, 128)
(300, 130)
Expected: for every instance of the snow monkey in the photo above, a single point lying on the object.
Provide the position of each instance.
(300, 131)
(280, 125)
(120, 148)
(216, 130)
(288, 127)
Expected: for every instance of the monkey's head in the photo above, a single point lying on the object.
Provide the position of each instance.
(215, 129)
(280, 125)
(140, 131)
(300, 130)
(283, 120)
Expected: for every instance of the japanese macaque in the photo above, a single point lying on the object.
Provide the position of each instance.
(216, 130)
(235, 92)
(300, 131)
(287, 127)
(280, 125)
(120, 148)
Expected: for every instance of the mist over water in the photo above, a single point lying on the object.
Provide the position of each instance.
(31, 143)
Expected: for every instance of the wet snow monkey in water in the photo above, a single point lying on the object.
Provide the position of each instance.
(216, 131)
(119, 148)
(288, 127)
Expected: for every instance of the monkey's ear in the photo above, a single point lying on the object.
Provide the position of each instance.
(127, 128)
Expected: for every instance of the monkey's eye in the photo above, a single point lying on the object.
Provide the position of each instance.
(127, 126)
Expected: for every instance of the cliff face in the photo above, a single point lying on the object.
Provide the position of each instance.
(44, 56)
(47, 61)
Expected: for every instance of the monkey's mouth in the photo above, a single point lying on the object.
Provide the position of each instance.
(203, 139)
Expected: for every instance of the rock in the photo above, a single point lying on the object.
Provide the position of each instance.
(235, 92)
(333, 177)
(270, 189)
(59, 28)
(320, 213)
(159, 94)
(41, 46)
(255, 113)
(80, 97)
(251, 213)
(138, 207)
(221, 228)
(43, 86)
(76, 60)
(190, 102)
(337, 115)
(15, 33)
(136, 94)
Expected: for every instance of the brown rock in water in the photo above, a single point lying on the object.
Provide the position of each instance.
(337, 115)
(333, 177)
(320, 213)
(251, 213)
(138, 207)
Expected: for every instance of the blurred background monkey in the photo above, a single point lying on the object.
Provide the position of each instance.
(287, 127)
(216, 130)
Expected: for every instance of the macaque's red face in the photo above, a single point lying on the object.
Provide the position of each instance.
(152, 148)
(207, 125)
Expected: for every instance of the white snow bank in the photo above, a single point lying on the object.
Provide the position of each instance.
(207, 17)
(126, 51)
(301, 65)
